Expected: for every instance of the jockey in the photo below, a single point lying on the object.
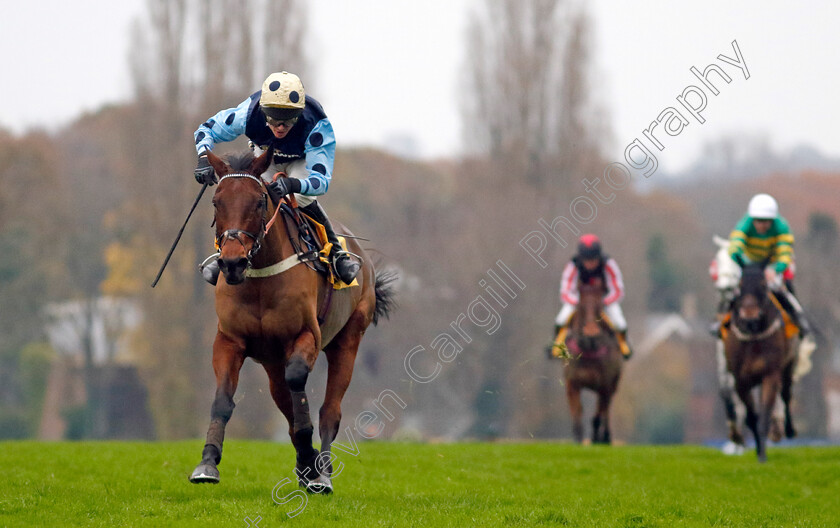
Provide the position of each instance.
(763, 235)
(283, 116)
(590, 263)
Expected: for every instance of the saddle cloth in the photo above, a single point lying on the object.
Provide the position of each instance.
(324, 253)
(790, 327)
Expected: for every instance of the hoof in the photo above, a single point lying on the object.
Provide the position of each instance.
(321, 485)
(775, 434)
(205, 473)
(731, 448)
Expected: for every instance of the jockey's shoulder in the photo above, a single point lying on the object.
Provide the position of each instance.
(781, 225)
(610, 261)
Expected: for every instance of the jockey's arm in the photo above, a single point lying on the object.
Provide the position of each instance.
(568, 285)
(226, 125)
(615, 283)
(737, 243)
(783, 252)
(320, 158)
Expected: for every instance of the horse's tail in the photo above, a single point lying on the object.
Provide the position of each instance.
(384, 289)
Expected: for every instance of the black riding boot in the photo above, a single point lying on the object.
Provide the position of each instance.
(345, 267)
(796, 314)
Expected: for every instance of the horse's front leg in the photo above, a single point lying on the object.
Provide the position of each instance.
(751, 419)
(298, 367)
(604, 400)
(769, 392)
(726, 389)
(575, 409)
(228, 356)
(787, 390)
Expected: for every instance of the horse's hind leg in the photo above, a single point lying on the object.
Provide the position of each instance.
(228, 356)
(341, 356)
(297, 370)
(787, 389)
(576, 410)
(601, 423)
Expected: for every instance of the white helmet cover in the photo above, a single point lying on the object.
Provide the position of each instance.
(282, 96)
(763, 206)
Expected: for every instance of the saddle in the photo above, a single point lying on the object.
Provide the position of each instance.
(559, 349)
(312, 245)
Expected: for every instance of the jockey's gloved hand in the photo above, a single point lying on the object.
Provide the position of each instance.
(281, 187)
(775, 282)
(204, 172)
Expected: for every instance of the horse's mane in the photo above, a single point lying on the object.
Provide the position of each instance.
(240, 161)
(752, 278)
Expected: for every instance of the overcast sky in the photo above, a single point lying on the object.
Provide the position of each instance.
(390, 70)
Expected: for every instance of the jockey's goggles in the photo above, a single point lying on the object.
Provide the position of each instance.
(288, 123)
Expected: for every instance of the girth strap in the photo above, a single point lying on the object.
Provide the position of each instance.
(275, 269)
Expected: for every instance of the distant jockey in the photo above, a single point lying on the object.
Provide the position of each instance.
(590, 264)
(764, 236)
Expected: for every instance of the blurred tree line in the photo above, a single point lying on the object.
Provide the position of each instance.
(92, 210)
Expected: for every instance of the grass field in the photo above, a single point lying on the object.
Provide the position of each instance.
(388, 484)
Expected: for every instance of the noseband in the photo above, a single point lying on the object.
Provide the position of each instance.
(236, 234)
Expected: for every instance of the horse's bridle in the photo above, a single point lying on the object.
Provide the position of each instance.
(235, 234)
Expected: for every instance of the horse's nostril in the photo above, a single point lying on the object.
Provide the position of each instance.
(232, 265)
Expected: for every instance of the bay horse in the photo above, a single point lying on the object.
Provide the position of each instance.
(272, 317)
(758, 352)
(595, 362)
(726, 274)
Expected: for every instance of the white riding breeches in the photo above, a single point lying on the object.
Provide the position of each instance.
(613, 311)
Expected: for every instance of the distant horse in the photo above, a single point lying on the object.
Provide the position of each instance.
(269, 305)
(595, 362)
(758, 352)
(727, 275)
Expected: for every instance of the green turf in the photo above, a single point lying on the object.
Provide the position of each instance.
(388, 484)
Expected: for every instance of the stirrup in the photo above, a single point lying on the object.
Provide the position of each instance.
(351, 267)
(210, 268)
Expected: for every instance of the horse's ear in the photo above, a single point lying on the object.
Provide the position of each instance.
(217, 163)
(260, 165)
